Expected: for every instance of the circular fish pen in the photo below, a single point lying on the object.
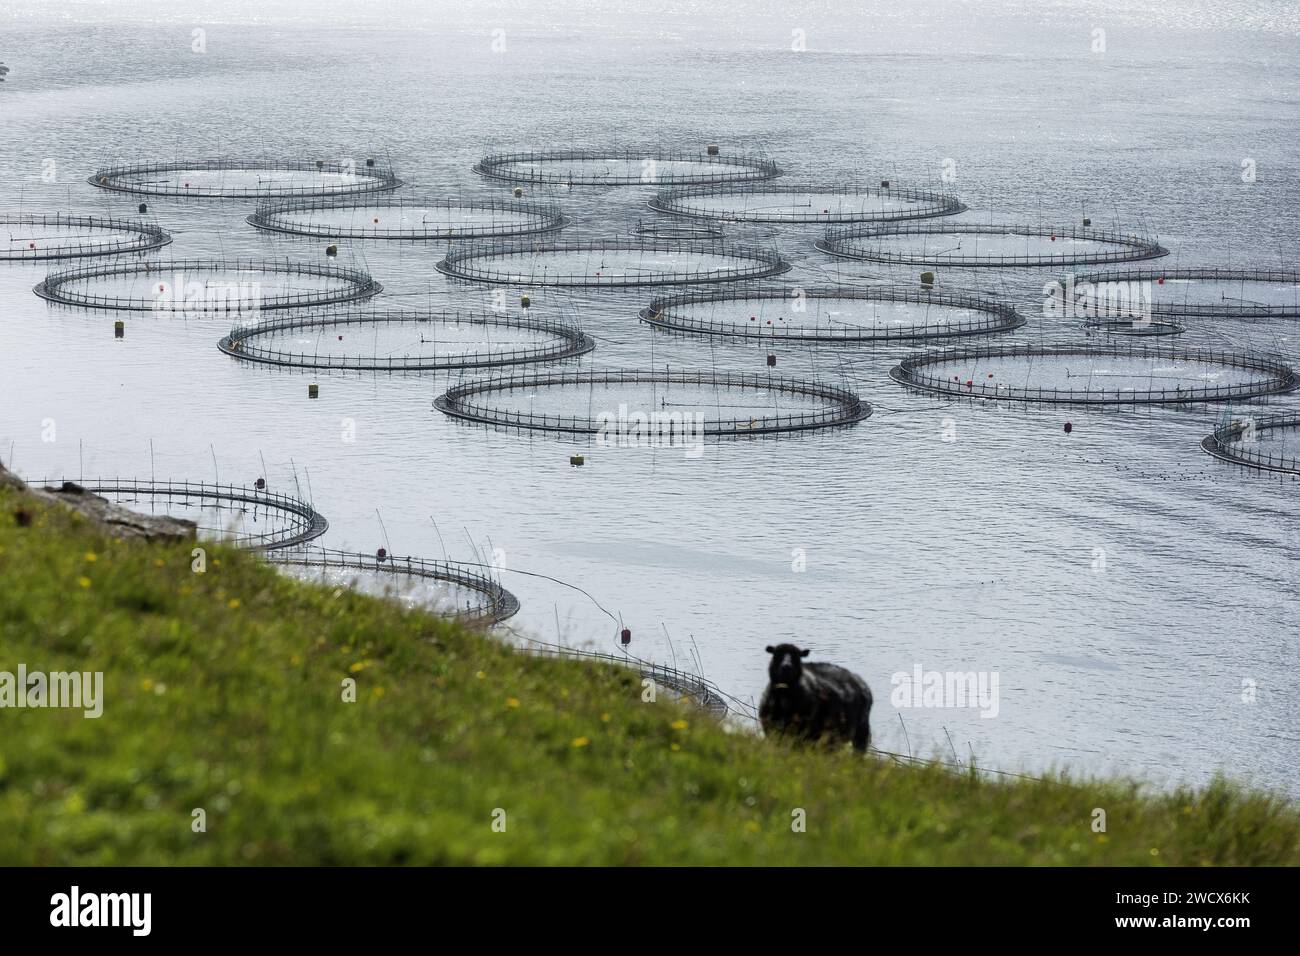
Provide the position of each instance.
(615, 263)
(832, 314)
(405, 341)
(1096, 376)
(228, 513)
(1209, 293)
(443, 587)
(1270, 443)
(30, 237)
(778, 203)
(1133, 327)
(239, 179)
(653, 409)
(968, 245)
(205, 286)
(579, 167)
(408, 220)
(678, 231)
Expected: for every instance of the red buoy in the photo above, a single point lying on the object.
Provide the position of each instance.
(382, 554)
(1160, 281)
(626, 636)
(260, 484)
(1068, 428)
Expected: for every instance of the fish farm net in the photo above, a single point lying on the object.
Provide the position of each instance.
(776, 203)
(976, 246)
(237, 179)
(624, 168)
(657, 409)
(613, 263)
(1212, 293)
(244, 517)
(1134, 327)
(31, 237)
(244, 287)
(674, 231)
(1097, 375)
(405, 341)
(836, 315)
(443, 587)
(408, 219)
(1270, 443)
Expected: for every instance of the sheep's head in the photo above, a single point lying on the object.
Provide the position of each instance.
(786, 665)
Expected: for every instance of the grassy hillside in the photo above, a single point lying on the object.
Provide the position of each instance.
(223, 691)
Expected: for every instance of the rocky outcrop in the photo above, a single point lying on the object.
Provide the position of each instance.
(111, 518)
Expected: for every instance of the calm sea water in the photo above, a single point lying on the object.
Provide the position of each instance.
(1122, 584)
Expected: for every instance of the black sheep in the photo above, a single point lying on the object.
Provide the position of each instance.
(809, 700)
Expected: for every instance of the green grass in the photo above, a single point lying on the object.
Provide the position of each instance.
(223, 691)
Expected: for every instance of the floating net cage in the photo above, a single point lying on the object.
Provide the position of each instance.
(618, 263)
(617, 167)
(408, 219)
(1213, 293)
(976, 246)
(1135, 327)
(778, 202)
(31, 237)
(655, 409)
(1097, 375)
(444, 587)
(678, 231)
(843, 315)
(230, 513)
(1269, 443)
(406, 341)
(251, 179)
(706, 694)
(206, 286)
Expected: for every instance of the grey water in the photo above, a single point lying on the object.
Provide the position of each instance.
(1136, 598)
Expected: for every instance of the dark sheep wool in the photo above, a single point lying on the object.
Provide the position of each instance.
(812, 701)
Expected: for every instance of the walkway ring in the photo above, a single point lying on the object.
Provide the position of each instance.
(369, 179)
(147, 237)
(1130, 248)
(678, 202)
(1280, 276)
(271, 217)
(1000, 316)
(499, 604)
(240, 343)
(716, 168)
(753, 263)
(912, 372)
(846, 407)
(358, 284)
(305, 523)
(1225, 443)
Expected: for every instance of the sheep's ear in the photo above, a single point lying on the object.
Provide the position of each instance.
(770, 649)
(803, 653)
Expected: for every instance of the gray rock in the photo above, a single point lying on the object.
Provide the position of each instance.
(107, 516)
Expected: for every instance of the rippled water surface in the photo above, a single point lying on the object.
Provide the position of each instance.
(1124, 585)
